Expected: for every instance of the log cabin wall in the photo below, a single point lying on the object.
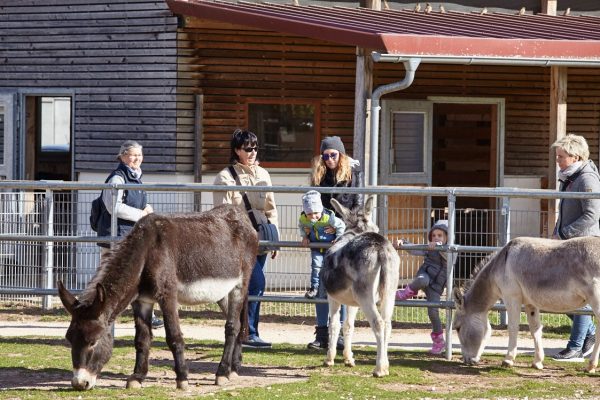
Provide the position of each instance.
(228, 64)
(119, 59)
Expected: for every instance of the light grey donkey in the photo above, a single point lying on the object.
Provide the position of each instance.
(541, 274)
(361, 269)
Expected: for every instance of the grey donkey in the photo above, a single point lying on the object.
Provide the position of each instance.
(361, 269)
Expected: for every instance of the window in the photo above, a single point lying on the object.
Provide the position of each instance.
(56, 124)
(406, 127)
(287, 132)
(408, 142)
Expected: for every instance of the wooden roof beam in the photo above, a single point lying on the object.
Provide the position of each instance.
(549, 7)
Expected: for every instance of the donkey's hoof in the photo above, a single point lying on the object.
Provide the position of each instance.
(221, 380)
(328, 363)
(381, 372)
(538, 365)
(233, 375)
(183, 385)
(508, 363)
(591, 368)
(133, 383)
(349, 363)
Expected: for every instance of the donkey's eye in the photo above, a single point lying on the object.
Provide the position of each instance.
(93, 344)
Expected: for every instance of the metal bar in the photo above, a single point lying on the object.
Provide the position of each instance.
(450, 271)
(48, 250)
(298, 299)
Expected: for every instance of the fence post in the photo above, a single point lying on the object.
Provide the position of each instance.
(113, 215)
(48, 254)
(504, 238)
(450, 270)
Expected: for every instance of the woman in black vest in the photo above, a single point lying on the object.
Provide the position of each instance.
(131, 204)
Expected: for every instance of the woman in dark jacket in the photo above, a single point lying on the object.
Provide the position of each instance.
(333, 168)
(131, 204)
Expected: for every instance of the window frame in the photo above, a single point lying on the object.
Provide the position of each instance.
(405, 106)
(316, 103)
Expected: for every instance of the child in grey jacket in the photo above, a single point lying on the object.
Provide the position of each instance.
(431, 278)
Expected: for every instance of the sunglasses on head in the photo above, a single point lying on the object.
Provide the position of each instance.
(326, 157)
(250, 149)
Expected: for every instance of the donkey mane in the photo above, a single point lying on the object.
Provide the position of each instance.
(484, 268)
(108, 268)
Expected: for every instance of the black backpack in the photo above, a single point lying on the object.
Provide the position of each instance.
(96, 212)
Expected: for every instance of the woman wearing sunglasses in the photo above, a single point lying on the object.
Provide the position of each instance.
(333, 168)
(244, 149)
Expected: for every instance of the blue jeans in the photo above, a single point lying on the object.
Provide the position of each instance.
(583, 326)
(256, 288)
(316, 261)
(322, 310)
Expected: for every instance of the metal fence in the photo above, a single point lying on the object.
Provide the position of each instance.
(45, 235)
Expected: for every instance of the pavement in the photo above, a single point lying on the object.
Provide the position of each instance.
(278, 333)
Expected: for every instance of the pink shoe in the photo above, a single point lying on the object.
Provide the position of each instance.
(405, 293)
(439, 345)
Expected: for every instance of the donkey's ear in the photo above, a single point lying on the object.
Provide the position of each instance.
(458, 296)
(67, 298)
(369, 204)
(98, 305)
(343, 211)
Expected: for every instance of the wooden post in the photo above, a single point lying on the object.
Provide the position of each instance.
(549, 7)
(558, 129)
(362, 100)
(362, 96)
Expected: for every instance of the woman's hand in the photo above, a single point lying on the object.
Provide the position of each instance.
(305, 241)
(147, 210)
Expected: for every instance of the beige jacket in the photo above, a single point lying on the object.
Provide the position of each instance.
(263, 203)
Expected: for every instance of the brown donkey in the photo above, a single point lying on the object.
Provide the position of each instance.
(179, 259)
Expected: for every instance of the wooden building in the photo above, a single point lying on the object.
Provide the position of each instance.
(491, 92)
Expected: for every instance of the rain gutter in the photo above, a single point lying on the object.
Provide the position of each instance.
(410, 65)
(461, 60)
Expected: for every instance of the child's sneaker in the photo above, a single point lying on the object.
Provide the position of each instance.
(405, 293)
(439, 345)
(311, 293)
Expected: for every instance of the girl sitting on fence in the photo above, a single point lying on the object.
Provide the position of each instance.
(431, 278)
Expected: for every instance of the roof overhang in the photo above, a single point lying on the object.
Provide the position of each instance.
(453, 38)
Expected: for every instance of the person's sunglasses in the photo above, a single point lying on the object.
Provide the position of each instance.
(326, 157)
(250, 149)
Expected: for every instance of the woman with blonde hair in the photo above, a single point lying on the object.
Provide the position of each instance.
(333, 168)
(576, 218)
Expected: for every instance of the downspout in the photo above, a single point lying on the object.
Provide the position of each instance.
(410, 66)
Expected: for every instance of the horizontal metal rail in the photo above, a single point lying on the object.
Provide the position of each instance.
(298, 299)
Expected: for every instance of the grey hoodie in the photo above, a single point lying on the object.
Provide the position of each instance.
(579, 217)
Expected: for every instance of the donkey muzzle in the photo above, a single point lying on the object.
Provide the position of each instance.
(83, 380)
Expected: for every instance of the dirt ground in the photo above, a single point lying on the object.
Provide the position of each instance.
(449, 376)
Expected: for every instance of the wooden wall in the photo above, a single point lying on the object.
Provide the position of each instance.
(527, 101)
(118, 56)
(229, 64)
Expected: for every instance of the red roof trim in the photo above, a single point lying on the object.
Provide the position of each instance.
(449, 34)
(490, 47)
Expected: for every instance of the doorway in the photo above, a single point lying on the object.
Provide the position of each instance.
(46, 154)
(464, 148)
